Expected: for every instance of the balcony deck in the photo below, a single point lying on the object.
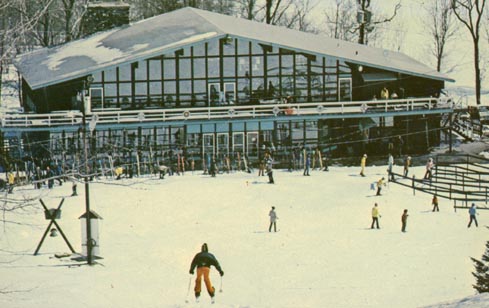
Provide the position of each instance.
(72, 120)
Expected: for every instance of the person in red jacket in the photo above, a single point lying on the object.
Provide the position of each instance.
(203, 261)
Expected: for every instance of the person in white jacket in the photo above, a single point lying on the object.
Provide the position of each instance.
(273, 220)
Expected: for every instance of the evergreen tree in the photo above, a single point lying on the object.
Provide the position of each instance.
(481, 273)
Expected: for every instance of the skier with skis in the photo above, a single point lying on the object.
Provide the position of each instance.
(203, 262)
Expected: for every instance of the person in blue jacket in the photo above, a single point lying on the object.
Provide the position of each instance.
(472, 213)
(203, 261)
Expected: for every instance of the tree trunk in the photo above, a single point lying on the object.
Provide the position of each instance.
(477, 72)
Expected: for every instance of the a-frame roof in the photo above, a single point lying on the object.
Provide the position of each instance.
(171, 31)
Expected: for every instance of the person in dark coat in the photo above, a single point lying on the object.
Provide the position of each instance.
(203, 262)
(404, 220)
(435, 204)
(472, 214)
(213, 169)
(307, 165)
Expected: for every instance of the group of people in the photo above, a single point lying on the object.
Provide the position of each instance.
(376, 215)
(407, 162)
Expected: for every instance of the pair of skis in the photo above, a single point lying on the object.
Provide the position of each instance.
(213, 299)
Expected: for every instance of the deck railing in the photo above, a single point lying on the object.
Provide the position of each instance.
(268, 109)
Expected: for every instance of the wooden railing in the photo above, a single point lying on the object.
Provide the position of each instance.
(69, 118)
(461, 178)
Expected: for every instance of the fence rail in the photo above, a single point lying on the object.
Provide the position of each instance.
(461, 178)
(71, 118)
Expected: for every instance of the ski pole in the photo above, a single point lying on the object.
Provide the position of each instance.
(188, 288)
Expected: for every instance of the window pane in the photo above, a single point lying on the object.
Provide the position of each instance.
(141, 70)
(213, 67)
(184, 69)
(213, 48)
(257, 66)
(110, 75)
(125, 73)
(141, 88)
(199, 68)
(272, 69)
(155, 88)
(229, 47)
(243, 66)
(155, 69)
(110, 89)
(229, 67)
(97, 77)
(125, 89)
(243, 47)
(169, 67)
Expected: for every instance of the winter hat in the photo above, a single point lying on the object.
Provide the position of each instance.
(204, 248)
(273, 208)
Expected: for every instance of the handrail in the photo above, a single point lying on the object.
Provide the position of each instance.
(229, 111)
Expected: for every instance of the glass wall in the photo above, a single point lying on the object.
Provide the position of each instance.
(222, 72)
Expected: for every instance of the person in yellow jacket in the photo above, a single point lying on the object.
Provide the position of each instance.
(11, 182)
(375, 216)
(363, 163)
(118, 172)
(380, 183)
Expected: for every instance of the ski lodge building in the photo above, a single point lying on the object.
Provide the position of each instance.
(213, 85)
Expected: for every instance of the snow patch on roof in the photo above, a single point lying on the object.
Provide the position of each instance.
(91, 47)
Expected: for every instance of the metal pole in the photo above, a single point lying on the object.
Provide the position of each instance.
(87, 187)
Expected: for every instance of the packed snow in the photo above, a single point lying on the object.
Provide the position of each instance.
(324, 255)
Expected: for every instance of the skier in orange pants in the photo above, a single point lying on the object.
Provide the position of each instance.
(203, 261)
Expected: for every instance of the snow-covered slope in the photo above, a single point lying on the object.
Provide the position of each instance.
(325, 254)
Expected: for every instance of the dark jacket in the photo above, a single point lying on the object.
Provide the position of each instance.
(205, 259)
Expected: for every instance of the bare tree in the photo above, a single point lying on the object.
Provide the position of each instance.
(366, 24)
(247, 8)
(441, 28)
(470, 13)
(352, 20)
(341, 20)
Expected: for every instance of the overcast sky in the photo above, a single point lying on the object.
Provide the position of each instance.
(407, 31)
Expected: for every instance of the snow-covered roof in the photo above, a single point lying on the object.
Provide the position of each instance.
(171, 31)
